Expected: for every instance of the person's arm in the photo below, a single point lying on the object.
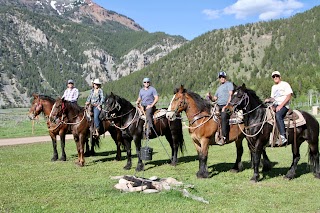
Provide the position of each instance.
(76, 94)
(64, 94)
(138, 100)
(284, 102)
(101, 98)
(89, 98)
(156, 98)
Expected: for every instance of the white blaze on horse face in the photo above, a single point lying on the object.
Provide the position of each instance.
(52, 111)
(169, 107)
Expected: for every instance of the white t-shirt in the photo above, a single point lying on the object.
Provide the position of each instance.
(280, 91)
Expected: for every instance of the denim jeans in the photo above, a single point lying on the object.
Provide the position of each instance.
(280, 120)
(96, 113)
(224, 122)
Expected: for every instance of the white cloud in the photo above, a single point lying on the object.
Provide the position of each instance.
(211, 14)
(266, 9)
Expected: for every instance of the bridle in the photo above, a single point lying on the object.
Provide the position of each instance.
(182, 104)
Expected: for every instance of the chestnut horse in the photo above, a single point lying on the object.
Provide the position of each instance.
(203, 127)
(43, 104)
(255, 121)
(65, 112)
(127, 118)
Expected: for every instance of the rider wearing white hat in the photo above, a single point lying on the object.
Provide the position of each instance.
(96, 99)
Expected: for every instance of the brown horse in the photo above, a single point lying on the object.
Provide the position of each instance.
(75, 116)
(43, 104)
(203, 127)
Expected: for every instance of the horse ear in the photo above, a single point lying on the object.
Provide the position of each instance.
(181, 88)
(243, 86)
(35, 95)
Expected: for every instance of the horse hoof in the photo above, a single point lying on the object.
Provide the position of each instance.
(87, 154)
(55, 158)
(317, 175)
(127, 167)
(63, 158)
(234, 170)
(288, 177)
(202, 175)
(140, 168)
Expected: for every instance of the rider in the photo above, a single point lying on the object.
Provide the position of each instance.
(148, 97)
(71, 93)
(223, 97)
(96, 99)
(281, 93)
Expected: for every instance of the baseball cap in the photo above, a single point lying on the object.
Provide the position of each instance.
(70, 81)
(275, 73)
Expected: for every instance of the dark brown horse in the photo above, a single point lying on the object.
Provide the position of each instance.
(43, 104)
(127, 118)
(203, 127)
(65, 112)
(255, 121)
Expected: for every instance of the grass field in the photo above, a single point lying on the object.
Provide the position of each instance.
(29, 182)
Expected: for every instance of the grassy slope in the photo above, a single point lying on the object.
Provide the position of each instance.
(31, 183)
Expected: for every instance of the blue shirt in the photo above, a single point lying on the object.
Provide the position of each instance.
(222, 93)
(147, 96)
(96, 98)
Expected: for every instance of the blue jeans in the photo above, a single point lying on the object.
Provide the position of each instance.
(96, 113)
(280, 120)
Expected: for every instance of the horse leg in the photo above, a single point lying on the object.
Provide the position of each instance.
(127, 143)
(256, 156)
(237, 167)
(63, 144)
(295, 159)
(54, 146)
(266, 163)
(76, 140)
(81, 142)
(314, 158)
(87, 152)
(203, 158)
(116, 136)
(137, 141)
(174, 150)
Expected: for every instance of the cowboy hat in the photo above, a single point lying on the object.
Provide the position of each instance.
(96, 81)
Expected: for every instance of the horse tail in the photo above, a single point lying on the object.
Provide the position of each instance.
(96, 141)
(313, 141)
(181, 143)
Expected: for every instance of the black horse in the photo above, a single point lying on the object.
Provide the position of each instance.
(259, 130)
(130, 123)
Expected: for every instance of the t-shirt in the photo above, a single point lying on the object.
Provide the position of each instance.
(222, 93)
(147, 96)
(280, 91)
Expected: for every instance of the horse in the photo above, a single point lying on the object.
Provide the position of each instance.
(77, 117)
(203, 127)
(130, 123)
(259, 129)
(43, 104)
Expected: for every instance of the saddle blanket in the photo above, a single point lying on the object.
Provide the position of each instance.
(297, 116)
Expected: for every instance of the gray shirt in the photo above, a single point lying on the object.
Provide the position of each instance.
(147, 96)
(222, 93)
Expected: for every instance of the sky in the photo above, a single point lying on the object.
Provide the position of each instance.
(192, 18)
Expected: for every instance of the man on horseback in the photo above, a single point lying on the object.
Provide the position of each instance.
(96, 99)
(148, 97)
(281, 93)
(223, 97)
(71, 93)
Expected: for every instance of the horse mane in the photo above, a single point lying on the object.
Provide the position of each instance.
(202, 104)
(74, 106)
(254, 95)
(123, 101)
(47, 98)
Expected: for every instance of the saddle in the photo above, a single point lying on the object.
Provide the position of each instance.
(157, 114)
(293, 118)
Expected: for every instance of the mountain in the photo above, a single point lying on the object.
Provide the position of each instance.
(248, 53)
(44, 43)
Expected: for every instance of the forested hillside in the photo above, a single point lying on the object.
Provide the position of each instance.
(39, 52)
(248, 53)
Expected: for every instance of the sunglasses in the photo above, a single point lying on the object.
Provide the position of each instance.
(146, 82)
(222, 76)
(275, 76)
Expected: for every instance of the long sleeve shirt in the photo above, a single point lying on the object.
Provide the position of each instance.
(96, 97)
(71, 94)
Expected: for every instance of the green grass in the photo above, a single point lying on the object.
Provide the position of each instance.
(14, 123)
(31, 183)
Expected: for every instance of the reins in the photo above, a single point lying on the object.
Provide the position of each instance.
(133, 119)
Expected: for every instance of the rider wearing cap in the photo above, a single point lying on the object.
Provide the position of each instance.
(148, 97)
(281, 93)
(71, 93)
(223, 97)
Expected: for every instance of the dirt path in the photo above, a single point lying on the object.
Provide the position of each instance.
(15, 141)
